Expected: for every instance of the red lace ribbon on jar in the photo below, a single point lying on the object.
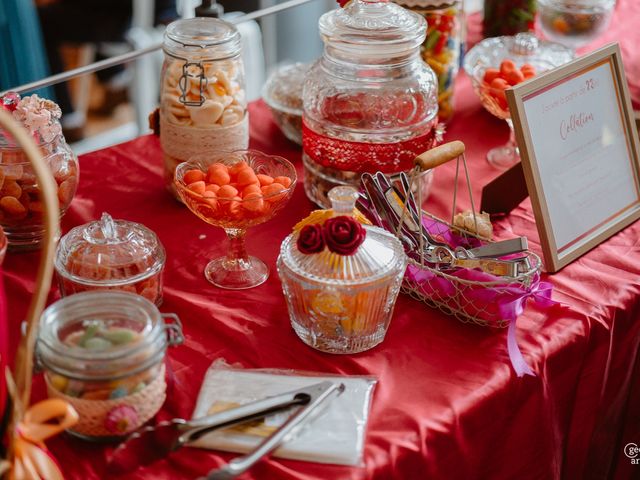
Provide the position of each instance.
(366, 157)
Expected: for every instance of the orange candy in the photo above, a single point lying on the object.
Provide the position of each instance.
(236, 191)
(286, 181)
(264, 179)
(490, 74)
(193, 176)
(514, 77)
(507, 66)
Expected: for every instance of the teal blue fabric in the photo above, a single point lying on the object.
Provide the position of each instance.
(23, 56)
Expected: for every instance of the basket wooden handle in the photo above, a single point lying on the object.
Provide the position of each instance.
(51, 219)
(439, 155)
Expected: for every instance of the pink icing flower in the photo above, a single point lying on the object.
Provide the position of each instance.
(10, 101)
(121, 419)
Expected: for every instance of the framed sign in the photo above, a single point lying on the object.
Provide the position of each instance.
(580, 153)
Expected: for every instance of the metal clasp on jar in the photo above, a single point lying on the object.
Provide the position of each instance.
(173, 328)
(183, 83)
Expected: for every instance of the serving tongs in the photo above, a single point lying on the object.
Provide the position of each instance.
(155, 442)
(400, 213)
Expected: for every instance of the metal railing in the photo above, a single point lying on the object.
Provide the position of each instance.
(127, 57)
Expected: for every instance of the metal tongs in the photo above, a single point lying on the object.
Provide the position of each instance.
(153, 443)
(398, 211)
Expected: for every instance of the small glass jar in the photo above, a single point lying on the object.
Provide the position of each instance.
(203, 104)
(343, 303)
(508, 17)
(283, 94)
(442, 47)
(370, 103)
(103, 352)
(111, 255)
(20, 203)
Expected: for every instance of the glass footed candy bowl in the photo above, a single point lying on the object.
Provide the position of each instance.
(341, 302)
(574, 23)
(496, 64)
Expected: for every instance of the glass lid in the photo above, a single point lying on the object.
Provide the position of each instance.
(206, 37)
(373, 24)
(109, 252)
(379, 255)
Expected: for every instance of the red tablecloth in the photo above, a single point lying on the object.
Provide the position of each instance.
(448, 404)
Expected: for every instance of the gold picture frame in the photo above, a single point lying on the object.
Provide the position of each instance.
(580, 153)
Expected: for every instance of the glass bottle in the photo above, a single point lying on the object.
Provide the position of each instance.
(343, 303)
(111, 255)
(103, 352)
(203, 104)
(370, 103)
(20, 202)
(442, 46)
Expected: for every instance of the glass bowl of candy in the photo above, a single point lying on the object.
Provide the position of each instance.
(283, 94)
(574, 23)
(111, 255)
(497, 64)
(103, 352)
(20, 203)
(235, 191)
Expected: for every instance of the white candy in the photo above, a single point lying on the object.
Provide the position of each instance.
(207, 114)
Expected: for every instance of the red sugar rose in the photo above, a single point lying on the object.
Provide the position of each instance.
(311, 239)
(343, 235)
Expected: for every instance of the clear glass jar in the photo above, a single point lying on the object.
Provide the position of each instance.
(203, 104)
(283, 94)
(442, 46)
(20, 202)
(111, 255)
(103, 352)
(342, 303)
(370, 102)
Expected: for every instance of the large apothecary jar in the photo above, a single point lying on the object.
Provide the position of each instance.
(203, 104)
(370, 102)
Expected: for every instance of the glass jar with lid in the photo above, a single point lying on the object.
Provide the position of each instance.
(103, 352)
(203, 104)
(442, 46)
(370, 102)
(20, 203)
(342, 303)
(111, 255)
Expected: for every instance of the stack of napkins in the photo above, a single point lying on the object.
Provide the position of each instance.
(336, 436)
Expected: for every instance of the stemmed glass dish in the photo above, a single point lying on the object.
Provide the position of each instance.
(574, 23)
(522, 49)
(235, 191)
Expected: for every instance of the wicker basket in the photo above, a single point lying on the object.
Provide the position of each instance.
(20, 392)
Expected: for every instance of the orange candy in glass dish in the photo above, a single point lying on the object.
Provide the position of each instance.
(235, 191)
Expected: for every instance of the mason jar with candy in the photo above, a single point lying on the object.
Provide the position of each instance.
(103, 353)
(442, 45)
(20, 203)
(202, 92)
(370, 102)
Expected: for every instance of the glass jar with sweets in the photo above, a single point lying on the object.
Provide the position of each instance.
(20, 203)
(442, 46)
(340, 298)
(508, 17)
(111, 255)
(103, 352)
(203, 105)
(370, 102)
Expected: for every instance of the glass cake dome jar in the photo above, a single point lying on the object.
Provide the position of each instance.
(342, 303)
(203, 104)
(111, 255)
(370, 102)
